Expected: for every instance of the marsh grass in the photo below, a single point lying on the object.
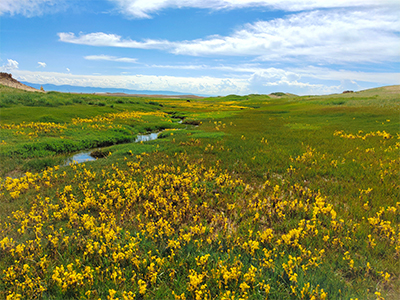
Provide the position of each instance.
(280, 197)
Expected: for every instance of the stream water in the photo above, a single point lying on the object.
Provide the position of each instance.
(84, 156)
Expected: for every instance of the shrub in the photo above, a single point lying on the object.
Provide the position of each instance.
(279, 94)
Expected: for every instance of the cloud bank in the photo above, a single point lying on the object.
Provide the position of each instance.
(253, 80)
(336, 36)
(197, 85)
(144, 8)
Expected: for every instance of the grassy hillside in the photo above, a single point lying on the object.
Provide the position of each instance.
(249, 197)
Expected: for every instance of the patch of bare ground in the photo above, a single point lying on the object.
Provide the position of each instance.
(7, 80)
(393, 88)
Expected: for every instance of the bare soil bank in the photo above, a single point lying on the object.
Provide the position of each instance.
(6, 79)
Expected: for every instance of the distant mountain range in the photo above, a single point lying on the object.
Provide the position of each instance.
(90, 90)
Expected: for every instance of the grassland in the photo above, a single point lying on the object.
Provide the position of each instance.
(249, 197)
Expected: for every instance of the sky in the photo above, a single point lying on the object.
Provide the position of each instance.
(203, 47)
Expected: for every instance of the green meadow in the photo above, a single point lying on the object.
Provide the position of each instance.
(240, 197)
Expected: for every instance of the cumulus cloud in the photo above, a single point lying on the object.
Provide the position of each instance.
(320, 36)
(29, 8)
(11, 65)
(339, 75)
(268, 80)
(111, 58)
(144, 8)
(258, 74)
(42, 64)
(334, 36)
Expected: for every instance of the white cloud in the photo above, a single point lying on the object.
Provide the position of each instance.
(183, 67)
(29, 8)
(11, 65)
(310, 80)
(200, 85)
(338, 36)
(256, 70)
(143, 8)
(42, 64)
(111, 58)
(329, 74)
(321, 36)
(111, 40)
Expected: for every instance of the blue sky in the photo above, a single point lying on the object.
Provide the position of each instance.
(208, 47)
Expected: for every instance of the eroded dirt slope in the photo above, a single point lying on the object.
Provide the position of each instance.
(6, 79)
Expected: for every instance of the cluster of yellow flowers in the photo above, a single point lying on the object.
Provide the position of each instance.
(110, 118)
(35, 181)
(360, 135)
(194, 230)
(35, 129)
(190, 229)
(376, 158)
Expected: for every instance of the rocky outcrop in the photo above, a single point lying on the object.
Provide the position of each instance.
(7, 80)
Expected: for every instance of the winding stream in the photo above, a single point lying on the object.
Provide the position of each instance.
(84, 156)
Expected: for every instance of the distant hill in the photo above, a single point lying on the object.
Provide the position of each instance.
(389, 89)
(7, 80)
(90, 90)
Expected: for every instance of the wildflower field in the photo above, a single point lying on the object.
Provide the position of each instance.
(240, 197)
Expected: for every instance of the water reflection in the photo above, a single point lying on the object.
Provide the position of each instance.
(85, 155)
(146, 137)
(79, 158)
